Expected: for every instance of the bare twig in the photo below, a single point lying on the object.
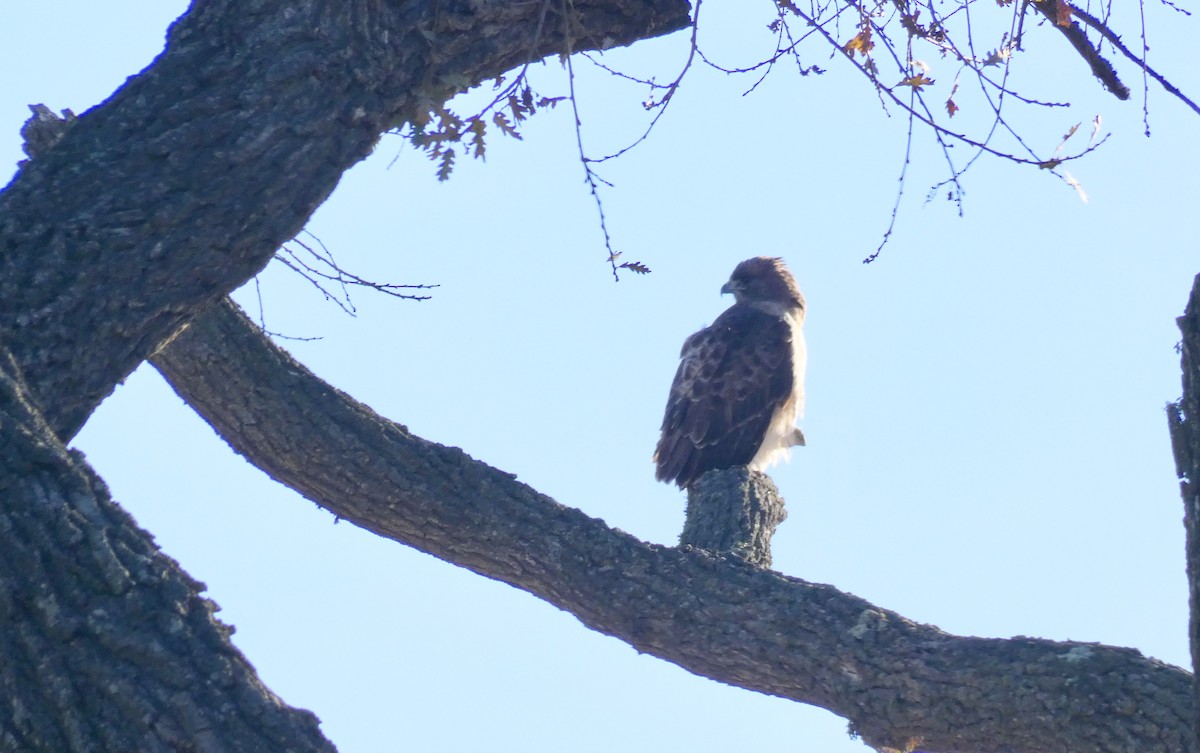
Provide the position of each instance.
(330, 279)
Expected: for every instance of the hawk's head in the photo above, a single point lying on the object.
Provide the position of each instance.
(765, 282)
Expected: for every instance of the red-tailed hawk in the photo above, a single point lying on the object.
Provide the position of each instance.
(740, 384)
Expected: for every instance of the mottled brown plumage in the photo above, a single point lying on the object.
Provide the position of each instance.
(740, 384)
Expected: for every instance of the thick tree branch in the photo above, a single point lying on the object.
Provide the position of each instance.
(901, 684)
(1101, 68)
(1184, 421)
(1134, 58)
(182, 185)
(105, 644)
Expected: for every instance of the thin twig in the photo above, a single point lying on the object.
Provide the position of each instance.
(899, 194)
(661, 104)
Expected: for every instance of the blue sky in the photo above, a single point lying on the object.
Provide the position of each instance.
(987, 444)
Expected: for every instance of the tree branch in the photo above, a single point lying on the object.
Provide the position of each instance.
(1120, 46)
(1101, 68)
(182, 185)
(901, 684)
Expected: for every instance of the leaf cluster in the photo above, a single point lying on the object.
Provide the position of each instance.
(440, 131)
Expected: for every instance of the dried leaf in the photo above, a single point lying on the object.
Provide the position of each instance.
(1062, 16)
(635, 266)
(1070, 132)
(1095, 130)
(501, 121)
(450, 121)
(951, 105)
(917, 81)
(911, 25)
(998, 56)
(476, 130)
(516, 108)
(446, 166)
(861, 43)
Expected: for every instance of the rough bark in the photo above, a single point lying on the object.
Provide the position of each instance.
(182, 185)
(901, 684)
(733, 511)
(105, 644)
(1184, 421)
(131, 218)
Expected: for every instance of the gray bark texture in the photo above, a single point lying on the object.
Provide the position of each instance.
(1184, 420)
(105, 644)
(126, 222)
(902, 685)
(733, 510)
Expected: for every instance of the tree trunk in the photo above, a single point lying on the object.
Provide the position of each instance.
(105, 644)
(1184, 420)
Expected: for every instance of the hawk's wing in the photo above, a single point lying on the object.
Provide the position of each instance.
(732, 378)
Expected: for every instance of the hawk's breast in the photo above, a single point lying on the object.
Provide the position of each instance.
(778, 440)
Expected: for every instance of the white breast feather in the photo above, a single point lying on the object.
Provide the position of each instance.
(777, 442)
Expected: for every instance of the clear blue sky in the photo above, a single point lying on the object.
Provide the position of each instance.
(987, 443)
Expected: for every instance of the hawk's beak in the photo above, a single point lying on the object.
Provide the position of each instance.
(728, 289)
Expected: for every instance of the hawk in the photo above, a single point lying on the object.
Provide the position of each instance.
(740, 384)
